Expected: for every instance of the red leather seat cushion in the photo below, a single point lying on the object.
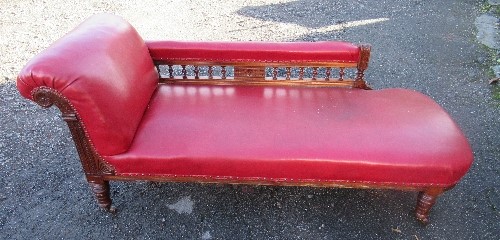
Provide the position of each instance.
(391, 136)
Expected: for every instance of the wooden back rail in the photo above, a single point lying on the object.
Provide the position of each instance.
(348, 74)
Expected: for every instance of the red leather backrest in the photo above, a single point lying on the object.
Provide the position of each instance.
(104, 68)
(302, 52)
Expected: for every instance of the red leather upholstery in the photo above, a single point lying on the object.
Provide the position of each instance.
(103, 67)
(391, 136)
(255, 51)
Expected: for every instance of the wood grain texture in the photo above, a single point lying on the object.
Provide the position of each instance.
(267, 73)
(425, 201)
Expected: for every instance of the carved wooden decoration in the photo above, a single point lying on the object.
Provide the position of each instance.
(265, 73)
(249, 72)
(101, 192)
(93, 165)
(425, 201)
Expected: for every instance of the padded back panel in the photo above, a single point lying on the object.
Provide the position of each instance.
(104, 68)
(268, 52)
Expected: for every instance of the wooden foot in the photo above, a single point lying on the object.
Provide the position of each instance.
(101, 192)
(425, 201)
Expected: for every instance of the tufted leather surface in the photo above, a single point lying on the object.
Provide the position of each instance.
(255, 51)
(391, 136)
(103, 67)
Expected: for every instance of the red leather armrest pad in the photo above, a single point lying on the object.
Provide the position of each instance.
(255, 51)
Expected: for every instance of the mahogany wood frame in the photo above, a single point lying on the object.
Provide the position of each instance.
(253, 73)
(98, 173)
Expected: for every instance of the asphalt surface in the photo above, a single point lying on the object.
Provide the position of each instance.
(429, 46)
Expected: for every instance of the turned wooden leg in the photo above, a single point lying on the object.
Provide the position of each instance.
(101, 192)
(425, 201)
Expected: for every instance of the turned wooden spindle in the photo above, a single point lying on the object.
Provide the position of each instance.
(196, 72)
(210, 72)
(101, 193)
(328, 73)
(223, 72)
(275, 73)
(170, 71)
(288, 73)
(184, 72)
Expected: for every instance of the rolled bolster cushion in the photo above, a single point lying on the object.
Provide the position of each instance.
(343, 52)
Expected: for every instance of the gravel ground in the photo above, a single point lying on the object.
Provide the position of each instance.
(428, 46)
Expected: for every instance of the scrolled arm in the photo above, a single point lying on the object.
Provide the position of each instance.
(102, 71)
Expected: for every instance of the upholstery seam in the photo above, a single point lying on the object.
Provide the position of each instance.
(245, 60)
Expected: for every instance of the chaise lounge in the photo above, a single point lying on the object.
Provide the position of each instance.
(297, 114)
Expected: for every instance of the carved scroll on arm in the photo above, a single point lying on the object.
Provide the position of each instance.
(92, 162)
